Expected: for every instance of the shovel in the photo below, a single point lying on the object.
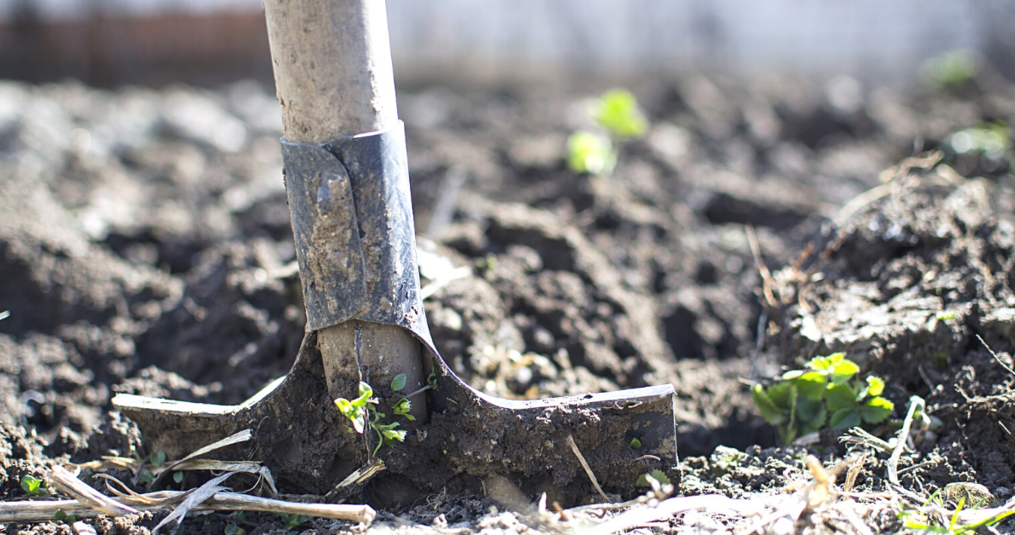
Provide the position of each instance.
(348, 190)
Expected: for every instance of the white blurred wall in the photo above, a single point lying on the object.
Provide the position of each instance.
(885, 40)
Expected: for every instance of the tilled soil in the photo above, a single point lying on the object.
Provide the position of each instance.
(145, 248)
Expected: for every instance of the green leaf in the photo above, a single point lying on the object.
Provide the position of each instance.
(810, 415)
(844, 418)
(30, 484)
(394, 434)
(771, 412)
(147, 477)
(402, 408)
(783, 395)
(365, 393)
(825, 363)
(158, 458)
(840, 397)
(398, 382)
(590, 153)
(660, 476)
(875, 386)
(231, 529)
(617, 111)
(178, 477)
(811, 385)
(60, 515)
(843, 371)
(635, 444)
(875, 410)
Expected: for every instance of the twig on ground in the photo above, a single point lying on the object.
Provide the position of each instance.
(44, 510)
(355, 481)
(585, 465)
(915, 403)
(766, 275)
(857, 203)
(235, 438)
(193, 499)
(853, 472)
(856, 435)
(64, 481)
(760, 344)
(998, 359)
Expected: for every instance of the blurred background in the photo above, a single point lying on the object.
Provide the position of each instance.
(208, 42)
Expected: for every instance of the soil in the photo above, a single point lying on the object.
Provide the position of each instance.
(145, 248)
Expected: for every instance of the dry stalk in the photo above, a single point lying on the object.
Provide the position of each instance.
(62, 480)
(915, 403)
(585, 465)
(23, 512)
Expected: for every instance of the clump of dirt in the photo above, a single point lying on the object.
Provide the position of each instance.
(143, 253)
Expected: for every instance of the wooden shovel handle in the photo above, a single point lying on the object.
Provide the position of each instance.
(333, 78)
(332, 64)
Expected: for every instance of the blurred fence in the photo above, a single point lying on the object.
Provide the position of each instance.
(156, 41)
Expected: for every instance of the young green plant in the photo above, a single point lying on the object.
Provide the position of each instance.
(362, 413)
(616, 113)
(34, 486)
(825, 394)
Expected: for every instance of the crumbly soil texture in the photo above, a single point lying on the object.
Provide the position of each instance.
(145, 248)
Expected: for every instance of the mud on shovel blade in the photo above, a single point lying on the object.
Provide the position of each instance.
(352, 223)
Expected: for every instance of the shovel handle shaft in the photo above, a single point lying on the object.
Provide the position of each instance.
(332, 64)
(333, 78)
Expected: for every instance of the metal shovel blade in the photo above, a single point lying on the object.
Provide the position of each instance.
(304, 440)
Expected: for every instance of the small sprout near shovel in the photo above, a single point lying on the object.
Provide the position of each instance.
(362, 411)
(34, 486)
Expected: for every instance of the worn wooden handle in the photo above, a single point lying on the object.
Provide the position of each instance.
(332, 64)
(333, 78)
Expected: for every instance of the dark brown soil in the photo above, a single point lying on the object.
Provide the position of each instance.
(145, 248)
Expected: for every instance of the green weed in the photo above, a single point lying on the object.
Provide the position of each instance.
(293, 521)
(826, 393)
(616, 113)
(952, 69)
(919, 520)
(362, 413)
(988, 139)
(34, 486)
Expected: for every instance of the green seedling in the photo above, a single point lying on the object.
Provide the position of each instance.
(61, 516)
(157, 458)
(616, 112)
(34, 486)
(826, 393)
(635, 444)
(921, 520)
(656, 474)
(592, 153)
(952, 69)
(989, 139)
(292, 521)
(362, 412)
